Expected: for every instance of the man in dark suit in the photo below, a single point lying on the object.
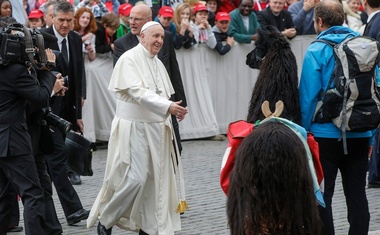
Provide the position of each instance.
(17, 166)
(372, 29)
(68, 107)
(139, 15)
(42, 143)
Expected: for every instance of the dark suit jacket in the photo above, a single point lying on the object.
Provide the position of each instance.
(166, 55)
(373, 27)
(69, 107)
(281, 22)
(16, 87)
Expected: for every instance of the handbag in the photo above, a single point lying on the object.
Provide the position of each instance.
(79, 151)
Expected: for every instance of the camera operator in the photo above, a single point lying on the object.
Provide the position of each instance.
(17, 166)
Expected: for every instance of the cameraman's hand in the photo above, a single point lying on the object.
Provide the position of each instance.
(50, 56)
(59, 86)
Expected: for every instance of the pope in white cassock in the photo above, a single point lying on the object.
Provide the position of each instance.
(139, 191)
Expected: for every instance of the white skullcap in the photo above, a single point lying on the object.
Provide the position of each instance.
(149, 24)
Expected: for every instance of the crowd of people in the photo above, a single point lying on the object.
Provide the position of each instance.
(95, 39)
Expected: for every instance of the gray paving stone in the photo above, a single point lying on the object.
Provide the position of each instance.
(207, 214)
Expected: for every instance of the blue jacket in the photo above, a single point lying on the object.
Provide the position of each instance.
(317, 68)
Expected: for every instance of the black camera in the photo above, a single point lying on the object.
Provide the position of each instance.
(22, 45)
(56, 121)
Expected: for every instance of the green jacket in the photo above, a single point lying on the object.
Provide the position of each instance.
(237, 28)
(122, 30)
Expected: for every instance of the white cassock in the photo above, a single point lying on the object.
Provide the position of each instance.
(139, 189)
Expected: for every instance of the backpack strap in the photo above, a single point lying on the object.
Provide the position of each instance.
(332, 45)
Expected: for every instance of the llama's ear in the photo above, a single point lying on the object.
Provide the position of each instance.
(279, 108)
(265, 109)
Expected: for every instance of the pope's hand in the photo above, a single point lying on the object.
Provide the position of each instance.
(177, 110)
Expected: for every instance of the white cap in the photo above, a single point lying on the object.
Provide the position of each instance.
(149, 24)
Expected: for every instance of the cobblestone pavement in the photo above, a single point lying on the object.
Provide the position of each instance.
(201, 160)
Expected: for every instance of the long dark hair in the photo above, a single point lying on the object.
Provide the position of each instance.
(278, 77)
(271, 188)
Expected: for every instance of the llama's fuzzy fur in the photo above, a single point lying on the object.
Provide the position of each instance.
(278, 77)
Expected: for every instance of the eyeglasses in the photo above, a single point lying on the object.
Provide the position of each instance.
(131, 19)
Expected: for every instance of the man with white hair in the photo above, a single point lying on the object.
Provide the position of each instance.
(139, 15)
(139, 190)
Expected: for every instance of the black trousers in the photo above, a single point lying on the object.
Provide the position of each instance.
(353, 169)
(52, 226)
(14, 212)
(20, 173)
(56, 163)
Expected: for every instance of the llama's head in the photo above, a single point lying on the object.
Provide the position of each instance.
(269, 39)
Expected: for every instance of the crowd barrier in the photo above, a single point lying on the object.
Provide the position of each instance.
(230, 81)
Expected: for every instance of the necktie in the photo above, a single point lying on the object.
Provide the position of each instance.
(64, 51)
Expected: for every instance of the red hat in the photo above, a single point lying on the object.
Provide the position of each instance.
(35, 14)
(222, 16)
(125, 9)
(166, 11)
(199, 7)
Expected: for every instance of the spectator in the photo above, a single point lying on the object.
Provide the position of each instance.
(229, 5)
(223, 41)
(100, 105)
(351, 9)
(112, 5)
(196, 84)
(47, 8)
(288, 3)
(184, 36)
(317, 68)
(85, 26)
(260, 5)
(124, 11)
(26, 6)
(302, 13)
(106, 33)
(212, 7)
(243, 23)
(97, 7)
(201, 28)
(372, 30)
(277, 16)
(271, 188)
(139, 177)
(165, 17)
(36, 19)
(5, 8)
(18, 11)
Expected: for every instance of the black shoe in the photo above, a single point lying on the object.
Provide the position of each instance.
(374, 184)
(75, 179)
(15, 229)
(77, 216)
(142, 232)
(102, 230)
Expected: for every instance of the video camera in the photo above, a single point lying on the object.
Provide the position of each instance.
(22, 45)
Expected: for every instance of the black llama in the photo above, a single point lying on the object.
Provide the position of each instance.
(278, 78)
